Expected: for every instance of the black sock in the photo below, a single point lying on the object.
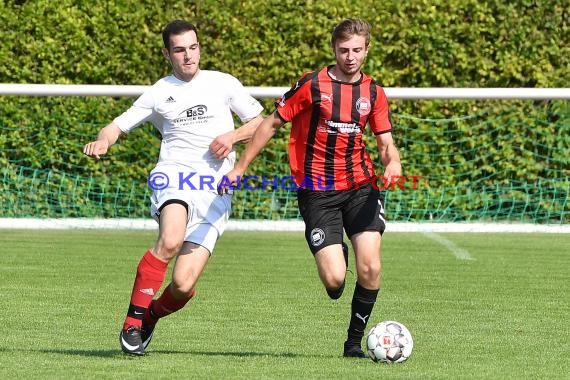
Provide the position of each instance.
(363, 302)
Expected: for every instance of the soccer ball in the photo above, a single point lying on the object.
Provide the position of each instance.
(389, 342)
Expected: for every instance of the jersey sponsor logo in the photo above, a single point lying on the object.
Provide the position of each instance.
(170, 100)
(334, 127)
(317, 237)
(197, 114)
(363, 106)
(198, 110)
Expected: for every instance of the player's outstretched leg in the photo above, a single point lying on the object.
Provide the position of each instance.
(363, 301)
(149, 277)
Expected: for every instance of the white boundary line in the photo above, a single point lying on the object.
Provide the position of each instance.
(458, 252)
(267, 225)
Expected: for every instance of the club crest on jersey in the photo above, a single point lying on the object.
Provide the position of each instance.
(363, 106)
(317, 237)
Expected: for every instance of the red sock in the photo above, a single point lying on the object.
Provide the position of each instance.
(166, 304)
(150, 275)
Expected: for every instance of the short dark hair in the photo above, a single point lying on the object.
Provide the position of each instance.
(349, 28)
(175, 28)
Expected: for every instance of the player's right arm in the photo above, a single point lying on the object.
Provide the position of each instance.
(138, 113)
(105, 139)
(264, 132)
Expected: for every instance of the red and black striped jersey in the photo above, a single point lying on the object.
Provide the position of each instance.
(329, 117)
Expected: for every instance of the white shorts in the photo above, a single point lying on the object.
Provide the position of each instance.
(208, 213)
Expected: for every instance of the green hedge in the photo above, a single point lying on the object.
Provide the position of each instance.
(415, 43)
(456, 43)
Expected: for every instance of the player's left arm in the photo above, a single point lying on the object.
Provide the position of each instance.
(389, 155)
(382, 128)
(223, 144)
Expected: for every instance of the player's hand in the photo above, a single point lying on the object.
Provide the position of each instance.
(96, 148)
(229, 182)
(393, 171)
(222, 146)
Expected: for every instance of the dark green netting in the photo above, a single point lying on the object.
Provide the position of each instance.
(491, 164)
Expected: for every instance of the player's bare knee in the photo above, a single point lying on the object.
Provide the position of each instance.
(368, 273)
(333, 281)
(167, 248)
(183, 290)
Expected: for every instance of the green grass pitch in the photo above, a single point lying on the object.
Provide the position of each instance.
(480, 306)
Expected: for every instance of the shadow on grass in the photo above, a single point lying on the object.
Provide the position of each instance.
(242, 354)
(87, 353)
(119, 354)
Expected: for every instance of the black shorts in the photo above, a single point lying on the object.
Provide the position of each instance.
(326, 213)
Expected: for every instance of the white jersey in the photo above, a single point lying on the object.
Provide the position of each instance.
(189, 115)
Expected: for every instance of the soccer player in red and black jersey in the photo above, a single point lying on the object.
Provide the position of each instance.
(329, 110)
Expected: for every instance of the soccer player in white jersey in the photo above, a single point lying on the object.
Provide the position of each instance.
(192, 109)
